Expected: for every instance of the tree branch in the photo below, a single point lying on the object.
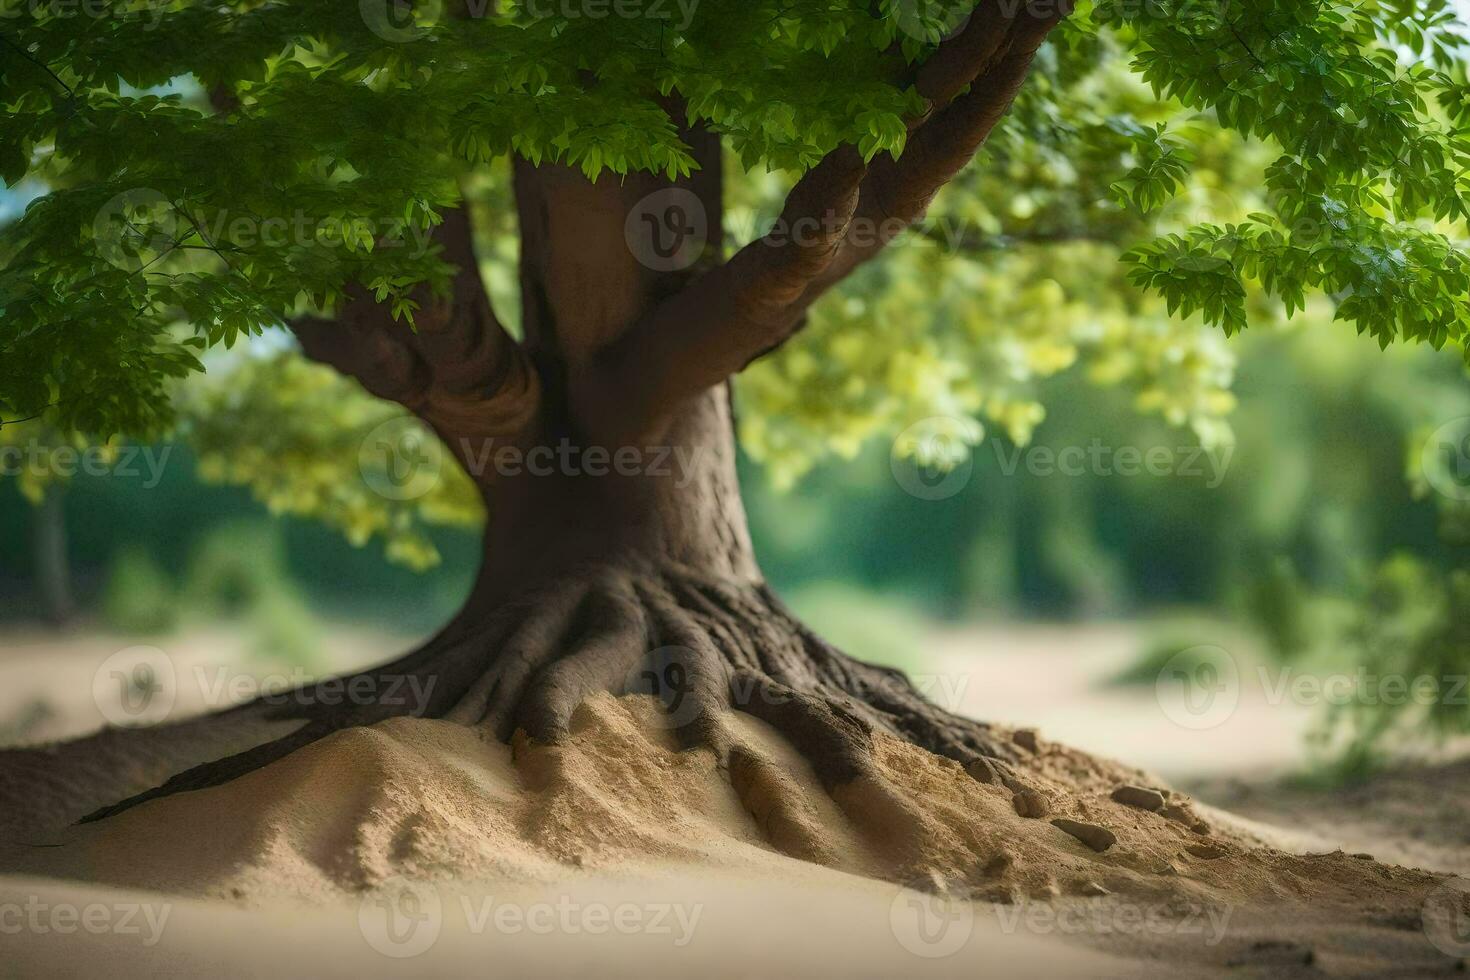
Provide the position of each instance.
(841, 214)
(458, 370)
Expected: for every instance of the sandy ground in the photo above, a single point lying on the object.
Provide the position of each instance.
(414, 849)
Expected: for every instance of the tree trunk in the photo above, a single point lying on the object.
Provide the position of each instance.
(53, 572)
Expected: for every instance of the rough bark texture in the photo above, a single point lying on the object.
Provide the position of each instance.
(641, 580)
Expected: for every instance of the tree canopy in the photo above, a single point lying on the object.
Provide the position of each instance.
(1172, 172)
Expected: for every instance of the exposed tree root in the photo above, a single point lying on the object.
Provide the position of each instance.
(704, 647)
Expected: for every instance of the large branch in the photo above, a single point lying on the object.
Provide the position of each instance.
(841, 214)
(457, 368)
(714, 327)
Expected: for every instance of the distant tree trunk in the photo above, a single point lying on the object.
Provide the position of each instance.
(53, 569)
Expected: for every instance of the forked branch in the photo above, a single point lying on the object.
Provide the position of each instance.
(841, 214)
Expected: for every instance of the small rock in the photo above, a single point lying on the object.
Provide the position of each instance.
(1165, 868)
(1206, 852)
(1140, 797)
(1031, 804)
(1026, 739)
(1095, 837)
(1363, 856)
(983, 772)
(1092, 889)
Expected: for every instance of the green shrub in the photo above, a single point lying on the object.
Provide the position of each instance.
(139, 597)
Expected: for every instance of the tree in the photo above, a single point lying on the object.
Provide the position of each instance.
(173, 225)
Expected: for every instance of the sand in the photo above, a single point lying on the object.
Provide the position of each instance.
(423, 848)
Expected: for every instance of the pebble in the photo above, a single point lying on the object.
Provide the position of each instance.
(1026, 739)
(1093, 889)
(1031, 804)
(1095, 837)
(1140, 797)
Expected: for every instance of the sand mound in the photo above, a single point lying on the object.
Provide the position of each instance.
(435, 800)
